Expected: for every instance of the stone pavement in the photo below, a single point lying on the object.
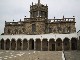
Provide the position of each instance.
(72, 55)
(30, 55)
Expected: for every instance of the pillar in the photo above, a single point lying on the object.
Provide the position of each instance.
(16, 46)
(34, 45)
(10, 46)
(70, 44)
(62, 47)
(28, 45)
(22, 45)
(41, 45)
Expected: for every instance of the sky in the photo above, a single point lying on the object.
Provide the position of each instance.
(16, 9)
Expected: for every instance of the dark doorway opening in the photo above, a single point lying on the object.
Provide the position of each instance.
(13, 44)
(25, 44)
(31, 44)
(66, 44)
(59, 44)
(53, 47)
(38, 44)
(74, 44)
(7, 44)
(19, 44)
(2, 44)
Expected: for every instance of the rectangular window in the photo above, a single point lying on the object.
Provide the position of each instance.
(33, 27)
(50, 30)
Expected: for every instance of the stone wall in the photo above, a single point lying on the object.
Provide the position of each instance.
(62, 27)
(11, 30)
(40, 28)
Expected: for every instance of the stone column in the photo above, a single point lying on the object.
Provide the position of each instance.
(48, 45)
(41, 45)
(16, 45)
(55, 46)
(22, 45)
(70, 44)
(10, 46)
(62, 47)
(28, 45)
(34, 45)
(4, 45)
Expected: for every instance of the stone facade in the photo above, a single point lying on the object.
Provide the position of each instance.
(38, 23)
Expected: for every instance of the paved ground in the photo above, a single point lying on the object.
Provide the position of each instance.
(72, 55)
(30, 55)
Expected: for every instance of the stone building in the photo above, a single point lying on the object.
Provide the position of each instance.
(38, 23)
(40, 33)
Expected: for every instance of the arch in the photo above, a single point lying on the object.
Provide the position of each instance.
(44, 44)
(19, 44)
(13, 44)
(59, 44)
(31, 44)
(2, 44)
(7, 45)
(25, 44)
(51, 45)
(74, 43)
(66, 44)
(38, 44)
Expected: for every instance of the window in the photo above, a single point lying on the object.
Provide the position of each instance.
(50, 30)
(8, 31)
(33, 27)
(34, 14)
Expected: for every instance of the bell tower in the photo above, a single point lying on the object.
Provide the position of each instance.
(38, 10)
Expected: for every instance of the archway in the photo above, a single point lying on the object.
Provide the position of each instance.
(59, 44)
(38, 44)
(74, 44)
(51, 45)
(66, 44)
(25, 44)
(7, 45)
(2, 44)
(44, 45)
(31, 44)
(19, 44)
(13, 44)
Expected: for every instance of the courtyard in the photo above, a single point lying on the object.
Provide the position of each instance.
(30, 55)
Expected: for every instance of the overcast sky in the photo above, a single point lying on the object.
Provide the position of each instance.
(17, 9)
